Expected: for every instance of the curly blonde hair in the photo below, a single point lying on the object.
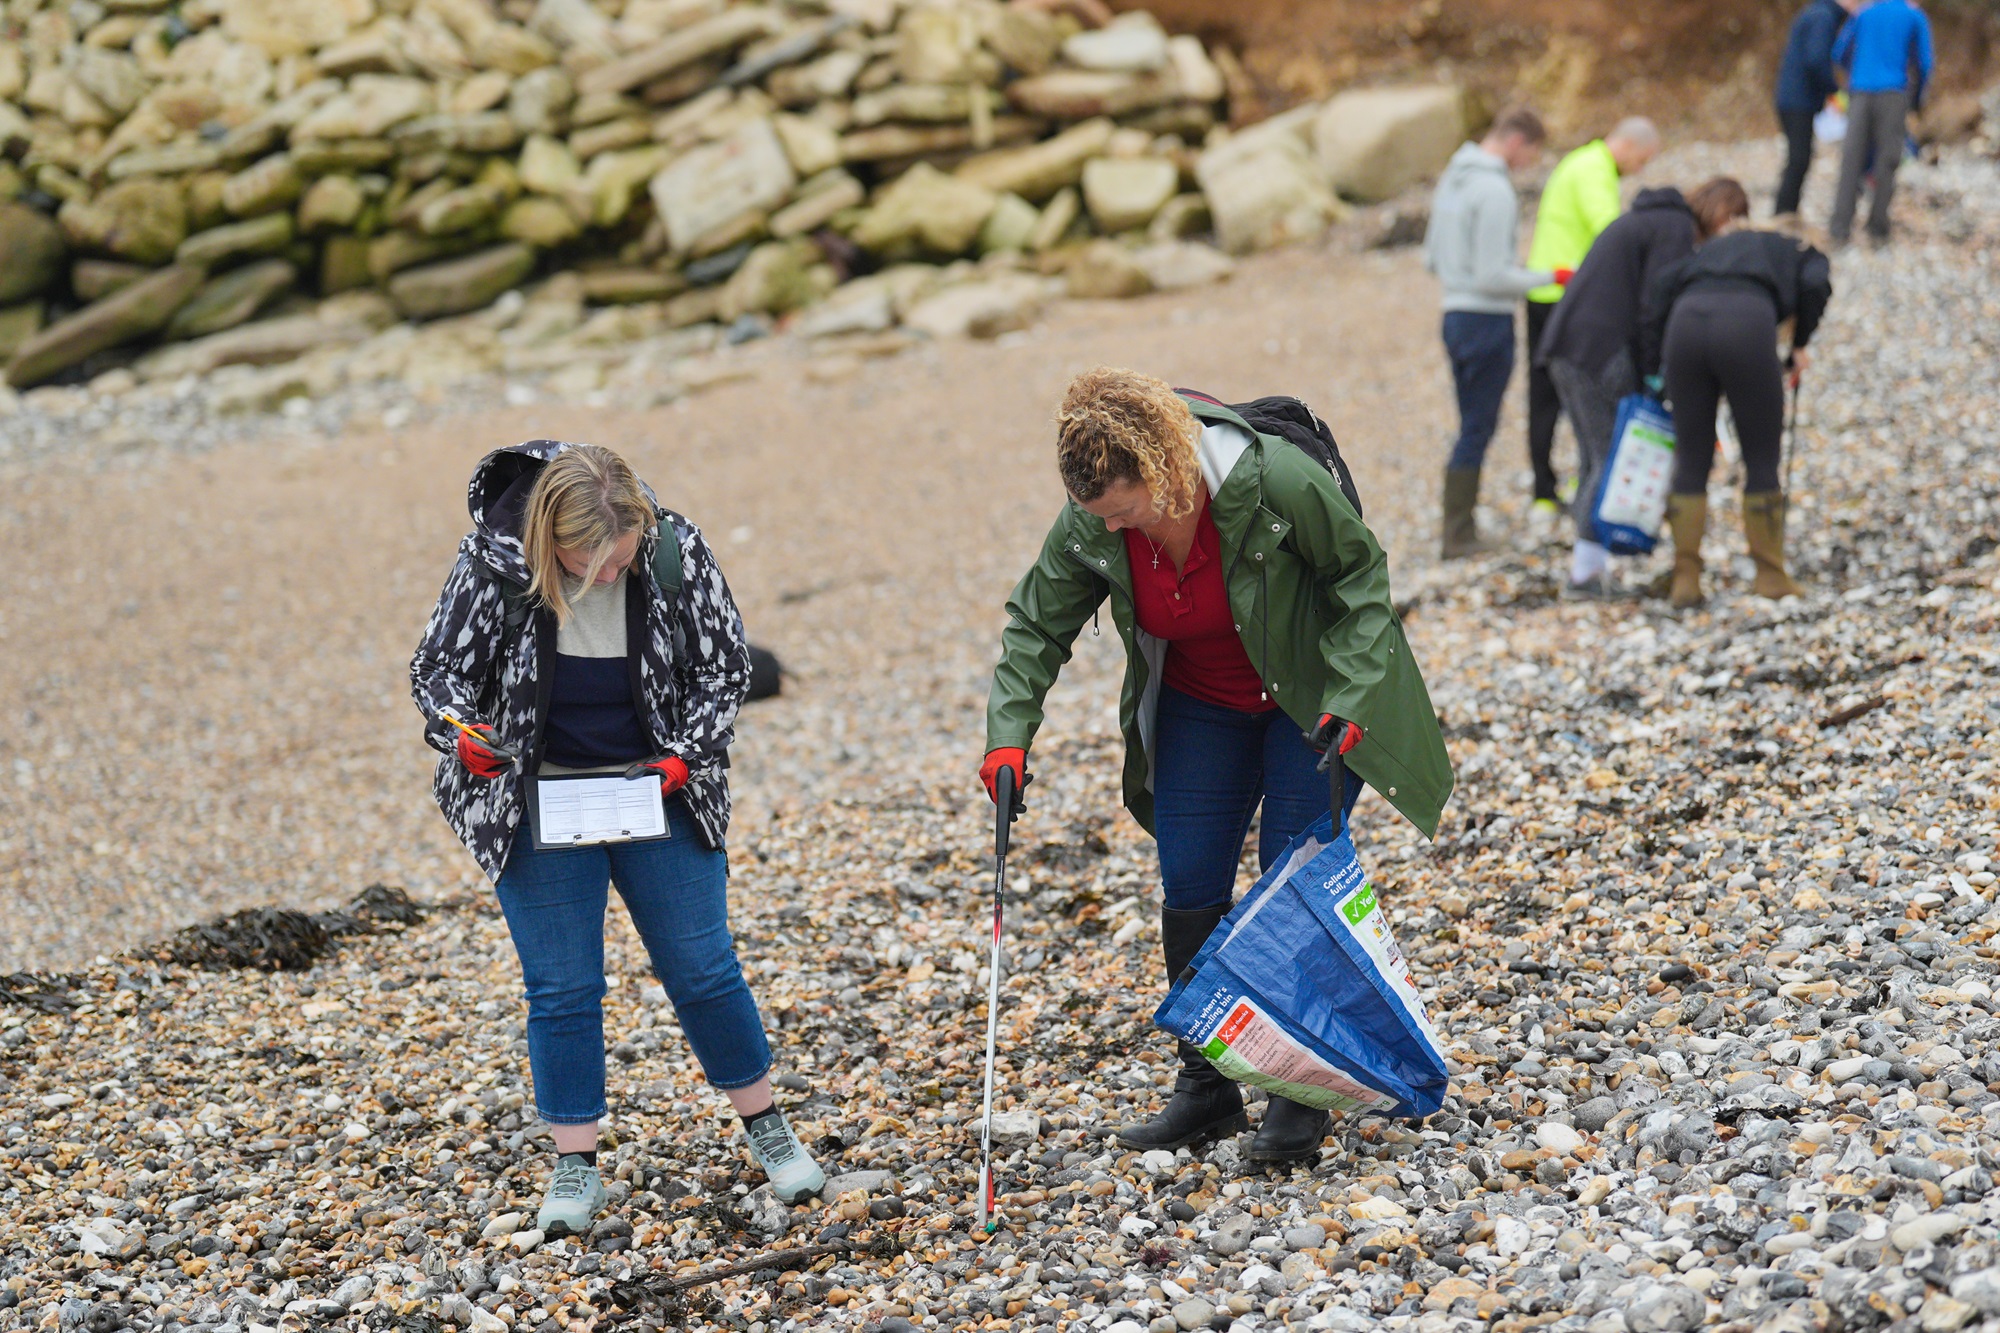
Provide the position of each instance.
(1119, 425)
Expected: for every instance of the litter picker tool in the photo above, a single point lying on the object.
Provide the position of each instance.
(1792, 432)
(1007, 807)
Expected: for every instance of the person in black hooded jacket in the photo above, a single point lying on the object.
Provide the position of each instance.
(1591, 347)
(1710, 327)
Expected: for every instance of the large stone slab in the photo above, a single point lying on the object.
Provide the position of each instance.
(32, 252)
(232, 298)
(339, 321)
(264, 186)
(1125, 192)
(1037, 171)
(987, 309)
(140, 220)
(711, 36)
(331, 203)
(458, 285)
(540, 221)
(1105, 270)
(718, 183)
(18, 323)
(1071, 94)
(1266, 194)
(1374, 143)
(1131, 43)
(941, 213)
(265, 235)
(889, 143)
(137, 310)
(292, 27)
(372, 105)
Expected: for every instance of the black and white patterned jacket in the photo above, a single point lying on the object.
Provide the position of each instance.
(688, 703)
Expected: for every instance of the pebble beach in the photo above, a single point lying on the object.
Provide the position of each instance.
(1708, 930)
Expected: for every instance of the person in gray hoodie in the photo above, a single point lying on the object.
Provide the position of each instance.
(1473, 246)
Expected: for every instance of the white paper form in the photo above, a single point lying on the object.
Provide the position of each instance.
(612, 809)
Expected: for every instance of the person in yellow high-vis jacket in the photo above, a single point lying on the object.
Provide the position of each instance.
(1580, 200)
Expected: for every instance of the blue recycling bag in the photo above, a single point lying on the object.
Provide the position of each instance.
(1632, 491)
(1302, 991)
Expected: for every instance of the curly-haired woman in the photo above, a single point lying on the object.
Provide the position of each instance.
(1253, 605)
(567, 637)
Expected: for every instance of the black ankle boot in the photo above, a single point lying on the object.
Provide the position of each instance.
(1289, 1132)
(1205, 1105)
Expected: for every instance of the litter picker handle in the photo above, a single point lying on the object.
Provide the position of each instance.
(1006, 794)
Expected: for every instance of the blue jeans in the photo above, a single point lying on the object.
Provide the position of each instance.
(677, 892)
(1212, 765)
(1481, 348)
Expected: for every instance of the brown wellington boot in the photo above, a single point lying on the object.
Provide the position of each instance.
(1764, 531)
(1687, 519)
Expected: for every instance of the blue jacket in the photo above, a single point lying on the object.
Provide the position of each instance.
(1805, 77)
(1881, 47)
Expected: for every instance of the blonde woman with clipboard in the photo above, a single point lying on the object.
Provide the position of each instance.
(586, 641)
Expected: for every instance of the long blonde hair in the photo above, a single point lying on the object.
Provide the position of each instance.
(1119, 425)
(586, 499)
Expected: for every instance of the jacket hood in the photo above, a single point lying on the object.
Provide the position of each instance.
(1469, 158)
(497, 498)
(1661, 196)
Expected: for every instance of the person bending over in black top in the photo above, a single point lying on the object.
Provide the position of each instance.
(1591, 347)
(1711, 329)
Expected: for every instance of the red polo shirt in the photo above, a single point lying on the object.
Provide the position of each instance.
(1190, 610)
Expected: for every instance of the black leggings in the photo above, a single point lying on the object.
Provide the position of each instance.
(1725, 343)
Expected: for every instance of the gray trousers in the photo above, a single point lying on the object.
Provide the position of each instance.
(1591, 403)
(1875, 132)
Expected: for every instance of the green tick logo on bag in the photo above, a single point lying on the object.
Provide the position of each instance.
(1357, 908)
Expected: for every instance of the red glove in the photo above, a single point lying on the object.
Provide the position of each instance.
(1004, 757)
(1322, 737)
(478, 760)
(673, 773)
(1563, 275)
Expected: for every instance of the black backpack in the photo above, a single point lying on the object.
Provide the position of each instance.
(1298, 425)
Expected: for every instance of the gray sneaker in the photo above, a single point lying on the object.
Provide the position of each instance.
(575, 1194)
(793, 1174)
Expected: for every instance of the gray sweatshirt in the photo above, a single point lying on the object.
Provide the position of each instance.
(1473, 243)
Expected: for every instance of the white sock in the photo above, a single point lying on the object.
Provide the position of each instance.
(1587, 562)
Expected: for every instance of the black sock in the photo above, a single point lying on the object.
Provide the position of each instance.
(590, 1158)
(754, 1117)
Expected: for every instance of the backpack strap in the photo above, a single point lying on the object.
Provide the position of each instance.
(668, 577)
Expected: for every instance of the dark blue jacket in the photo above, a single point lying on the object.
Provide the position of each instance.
(1805, 77)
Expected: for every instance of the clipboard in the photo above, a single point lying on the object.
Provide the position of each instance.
(588, 809)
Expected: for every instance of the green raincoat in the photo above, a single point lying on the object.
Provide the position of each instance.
(1309, 587)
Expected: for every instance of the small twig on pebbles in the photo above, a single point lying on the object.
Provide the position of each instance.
(1840, 717)
(775, 1259)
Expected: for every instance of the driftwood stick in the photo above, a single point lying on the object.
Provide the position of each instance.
(774, 1259)
(1841, 717)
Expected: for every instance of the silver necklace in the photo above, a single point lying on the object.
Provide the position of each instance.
(1155, 545)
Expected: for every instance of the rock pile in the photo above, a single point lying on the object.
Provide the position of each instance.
(168, 173)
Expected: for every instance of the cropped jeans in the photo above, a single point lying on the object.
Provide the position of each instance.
(676, 890)
(1212, 766)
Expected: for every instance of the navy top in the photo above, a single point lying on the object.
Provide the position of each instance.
(591, 718)
(1805, 77)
